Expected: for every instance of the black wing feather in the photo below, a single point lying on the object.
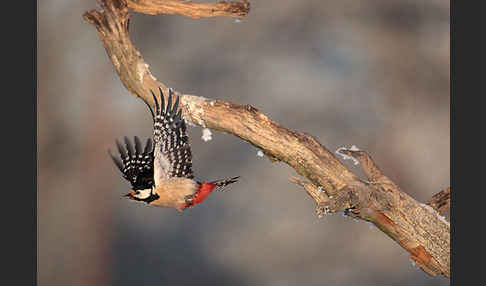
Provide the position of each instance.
(148, 146)
(122, 151)
(170, 136)
(136, 167)
(138, 148)
(117, 161)
(129, 147)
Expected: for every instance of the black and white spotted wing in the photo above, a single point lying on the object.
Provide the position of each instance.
(172, 153)
(136, 166)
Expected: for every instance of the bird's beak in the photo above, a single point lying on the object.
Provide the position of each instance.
(129, 195)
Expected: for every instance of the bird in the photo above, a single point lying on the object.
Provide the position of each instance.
(161, 174)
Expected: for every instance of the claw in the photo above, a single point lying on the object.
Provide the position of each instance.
(189, 199)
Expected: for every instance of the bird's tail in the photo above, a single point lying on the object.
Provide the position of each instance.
(221, 184)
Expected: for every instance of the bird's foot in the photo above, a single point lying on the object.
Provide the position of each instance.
(189, 199)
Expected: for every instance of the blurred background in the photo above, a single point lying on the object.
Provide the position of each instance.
(374, 74)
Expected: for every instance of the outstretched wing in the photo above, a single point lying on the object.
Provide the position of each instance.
(137, 167)
(172, 153)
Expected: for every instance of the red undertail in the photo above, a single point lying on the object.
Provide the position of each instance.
(202, 194)
(206, 188)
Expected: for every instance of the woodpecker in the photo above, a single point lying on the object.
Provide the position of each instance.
(162, 175)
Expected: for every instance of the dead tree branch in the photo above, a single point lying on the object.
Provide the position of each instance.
(441, 201)
(190, 9)
(417, 227)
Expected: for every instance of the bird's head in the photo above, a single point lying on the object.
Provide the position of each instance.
(139, 195)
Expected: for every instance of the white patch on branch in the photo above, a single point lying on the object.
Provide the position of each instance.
(142, 68)
(324, 212)
(152, 76)
(413, 262)
(443, 219)
(370, 224)
(354, 148)
(98, 6)
(194, 107)
(347, 157)
(260, 153)
(432, 210)
(206, 135)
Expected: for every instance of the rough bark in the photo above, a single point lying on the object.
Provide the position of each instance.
(417, 227)
(441, 201)
(190, 9)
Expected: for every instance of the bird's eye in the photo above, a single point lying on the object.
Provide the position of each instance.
(137, 192)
